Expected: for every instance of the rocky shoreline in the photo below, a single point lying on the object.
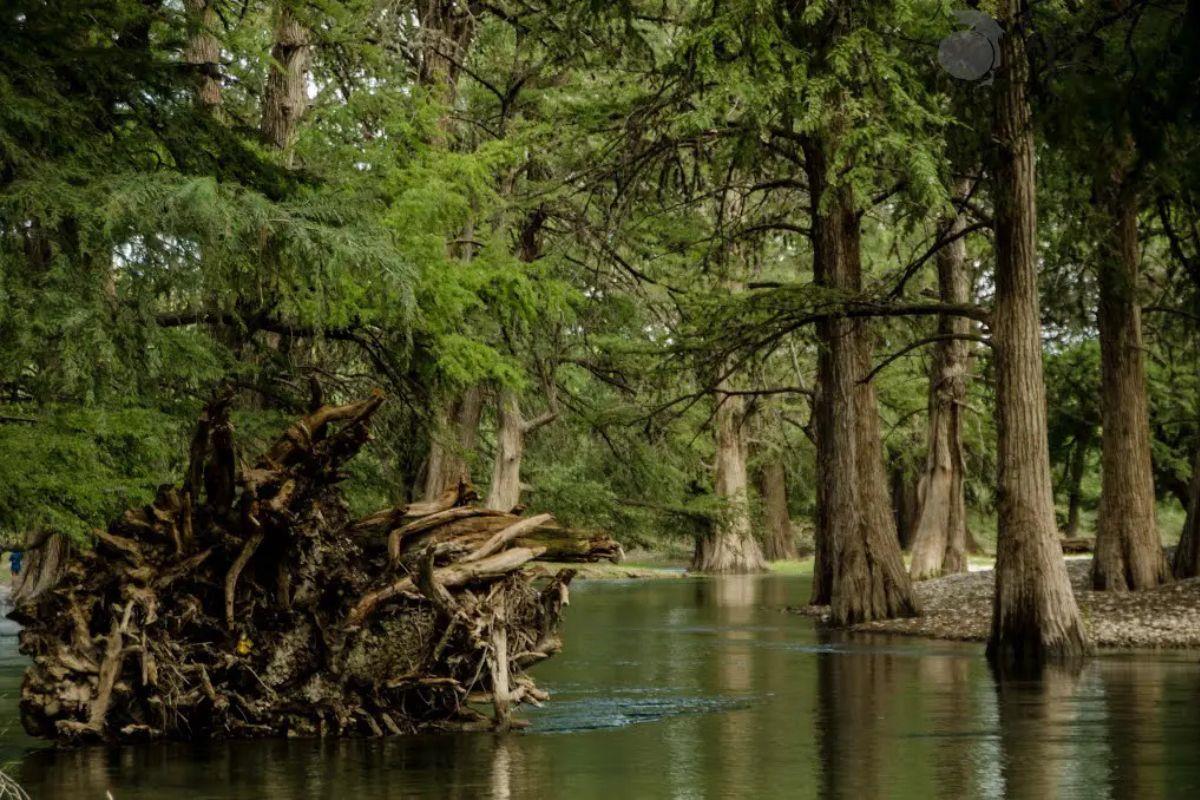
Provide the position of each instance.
(959, 607)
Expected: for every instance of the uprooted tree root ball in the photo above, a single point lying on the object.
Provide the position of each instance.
(247, 602)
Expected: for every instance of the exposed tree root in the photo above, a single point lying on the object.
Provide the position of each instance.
(247, 602)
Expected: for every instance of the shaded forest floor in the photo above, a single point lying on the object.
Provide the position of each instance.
(959, 607)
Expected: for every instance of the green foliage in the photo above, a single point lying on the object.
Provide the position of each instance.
(71, 470)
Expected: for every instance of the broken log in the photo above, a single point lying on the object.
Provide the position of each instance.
(247, 602)
(1077, 544)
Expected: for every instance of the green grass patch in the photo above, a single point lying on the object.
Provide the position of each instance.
(802, 566)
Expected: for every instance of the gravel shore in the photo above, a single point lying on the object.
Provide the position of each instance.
(959, 607)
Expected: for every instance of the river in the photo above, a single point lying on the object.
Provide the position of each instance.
(708, 688)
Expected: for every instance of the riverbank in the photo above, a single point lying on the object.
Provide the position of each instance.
(649, 567)
(604, 571)
(959, 607)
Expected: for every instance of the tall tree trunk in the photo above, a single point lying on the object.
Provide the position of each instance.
(730, 547)
(779, 540)
(447, 28)
(505, 491)
(839, 509)
(512, 430)
(822, 580)
(905, 504)
(1034, 616)
(285, 97)
(1187, 554)
(940, 542)
(453, 443)
(878, 587)
(868, 580)
(1129, 553)
(1075, 470)
(203, 52)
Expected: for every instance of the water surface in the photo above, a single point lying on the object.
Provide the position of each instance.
(707, 688)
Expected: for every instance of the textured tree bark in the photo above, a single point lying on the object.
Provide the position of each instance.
(1034, 617)
(1187, 555)
(730, 547)
(285, 97)
(779, 540)
(505, 491)
(453, 443)
(46, 556)
(822, 580)
(1083, 442)
(203, 52)
(940, 539)
(1129, 553)
(878, 587)
(868, 580)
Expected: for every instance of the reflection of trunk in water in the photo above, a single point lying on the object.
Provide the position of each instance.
(502, 764)
(1133, 693)
(736, 597)
(850, 721)
(1034, 717)
(949, 682)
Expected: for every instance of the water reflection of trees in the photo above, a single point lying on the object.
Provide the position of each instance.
(466, 767)
(1035, 716)
(826, 714)
(953, 710)
(894, 721)
(1133, 697)
(849, 691)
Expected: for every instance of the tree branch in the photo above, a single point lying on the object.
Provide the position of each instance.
(941, 337)
(912, 268)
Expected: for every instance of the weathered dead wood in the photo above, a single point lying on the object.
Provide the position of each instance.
(505, 536)
(498, 659)
(396, 537)
(453, 575)
(256, 606)
(231, 577)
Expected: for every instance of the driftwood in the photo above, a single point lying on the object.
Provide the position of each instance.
(1077, 544)
(247, 602)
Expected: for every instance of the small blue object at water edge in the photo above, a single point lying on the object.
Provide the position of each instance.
(14, 561)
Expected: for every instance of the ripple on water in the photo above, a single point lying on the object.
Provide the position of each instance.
(568, 714)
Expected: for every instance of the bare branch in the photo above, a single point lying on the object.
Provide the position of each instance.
(941, 337)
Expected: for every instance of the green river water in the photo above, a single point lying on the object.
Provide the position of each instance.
(708, 688)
